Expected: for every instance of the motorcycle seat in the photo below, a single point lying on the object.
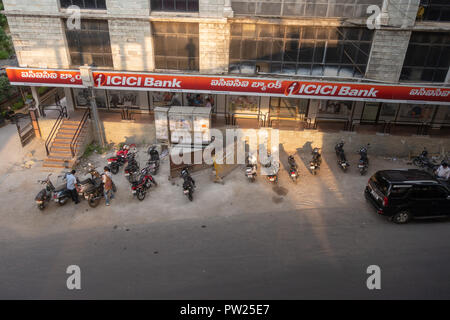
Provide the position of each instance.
(61, 188)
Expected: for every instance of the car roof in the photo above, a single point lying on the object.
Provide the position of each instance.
(408, 176)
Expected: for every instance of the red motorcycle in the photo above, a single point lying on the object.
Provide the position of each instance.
(140, 187)
(121, 158)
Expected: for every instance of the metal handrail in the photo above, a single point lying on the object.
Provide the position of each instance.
(260, 117)
(51, 136)
(76, 136)
(317, 120)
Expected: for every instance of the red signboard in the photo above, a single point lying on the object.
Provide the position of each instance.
(235, 85)
(271, 87)
(55, 78)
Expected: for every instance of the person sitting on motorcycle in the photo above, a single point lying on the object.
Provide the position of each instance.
(107, 185)
(71, 182)
(443, 172)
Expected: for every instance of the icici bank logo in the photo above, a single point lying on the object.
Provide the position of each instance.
(100, 80)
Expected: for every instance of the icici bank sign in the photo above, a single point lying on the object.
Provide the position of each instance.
(236, 85)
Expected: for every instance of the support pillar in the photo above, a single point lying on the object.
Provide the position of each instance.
(36, 100)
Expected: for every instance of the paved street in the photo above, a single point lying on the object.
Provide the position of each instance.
(235, 241)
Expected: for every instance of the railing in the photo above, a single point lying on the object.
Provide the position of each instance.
(260, 117)
(383, 123)
(26, 133)
(300, 118)
(76, 136)
(51, 136)
(311, 125)
(421, 126)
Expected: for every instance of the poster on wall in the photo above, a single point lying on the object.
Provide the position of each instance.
(161, 124)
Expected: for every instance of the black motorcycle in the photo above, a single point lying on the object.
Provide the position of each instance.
(363, 164)
(422, 161)
(342, 160)
(91, 189)
(60, 195)
(314, 164)
(293, 170)
(188, 184)
(153, 162)
(132, 167)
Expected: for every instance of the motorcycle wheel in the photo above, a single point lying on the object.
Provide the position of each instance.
(417, 163)
(93, 201)
(114, 169)
(314, 172)
(41, 206)
(141, 195)
(191, 198)
(62, 201)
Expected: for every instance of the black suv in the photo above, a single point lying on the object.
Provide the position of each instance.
(404, 194)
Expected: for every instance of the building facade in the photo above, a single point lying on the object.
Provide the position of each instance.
(383, 42)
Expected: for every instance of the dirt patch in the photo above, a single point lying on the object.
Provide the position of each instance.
(277, 199)
(281, 191)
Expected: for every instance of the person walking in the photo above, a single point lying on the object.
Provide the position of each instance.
(71, 181)
(107, 185)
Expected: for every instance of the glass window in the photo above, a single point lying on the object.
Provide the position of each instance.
(288, 107)
(388, 111)
(174, 5)
(335, 108)
(84, 4)
(176, 45)
(304, 8)
(243, 104)
(434, 10)
(415, 112)
(119, 99)
(334, 51)
(427, 57)
(90, 45)
(82, 97)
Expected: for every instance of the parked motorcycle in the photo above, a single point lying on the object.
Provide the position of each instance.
(314, 164)
(342, 160)
(60, 195)
(363, 164)
(188, 184)
(251, 168)
(132, 167)
(293, 170)
(121, 158)
(422, 161)
(91, 189)
(153, 162)
(140, 187)
(273, 166)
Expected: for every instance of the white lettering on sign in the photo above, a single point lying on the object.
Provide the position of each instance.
(132, 81)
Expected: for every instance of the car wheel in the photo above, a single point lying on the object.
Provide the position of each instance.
(402, 217)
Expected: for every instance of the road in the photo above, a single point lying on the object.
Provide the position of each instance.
(240, 240)
(282, 255)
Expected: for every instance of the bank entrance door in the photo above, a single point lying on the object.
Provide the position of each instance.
(287, 112)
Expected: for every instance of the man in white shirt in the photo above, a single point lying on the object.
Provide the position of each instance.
(443, 172)
(71, 181)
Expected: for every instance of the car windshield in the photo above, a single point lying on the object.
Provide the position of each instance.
(380, 183)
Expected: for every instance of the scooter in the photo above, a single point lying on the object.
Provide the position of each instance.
(314, 164)
(250, 170)
(363, 164)
(188, 184)
(153, 162)
(140, 187)
(60, 195)
(342, 160)
(293, 171)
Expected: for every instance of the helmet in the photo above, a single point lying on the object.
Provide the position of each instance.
(126, 147)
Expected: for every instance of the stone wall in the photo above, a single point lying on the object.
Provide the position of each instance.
(39, 41)
(128, 7)
(131, 45)
(42, 6)
(388, 52)
(214, 47)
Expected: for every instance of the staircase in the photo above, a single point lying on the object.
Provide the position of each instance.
(67, 144)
